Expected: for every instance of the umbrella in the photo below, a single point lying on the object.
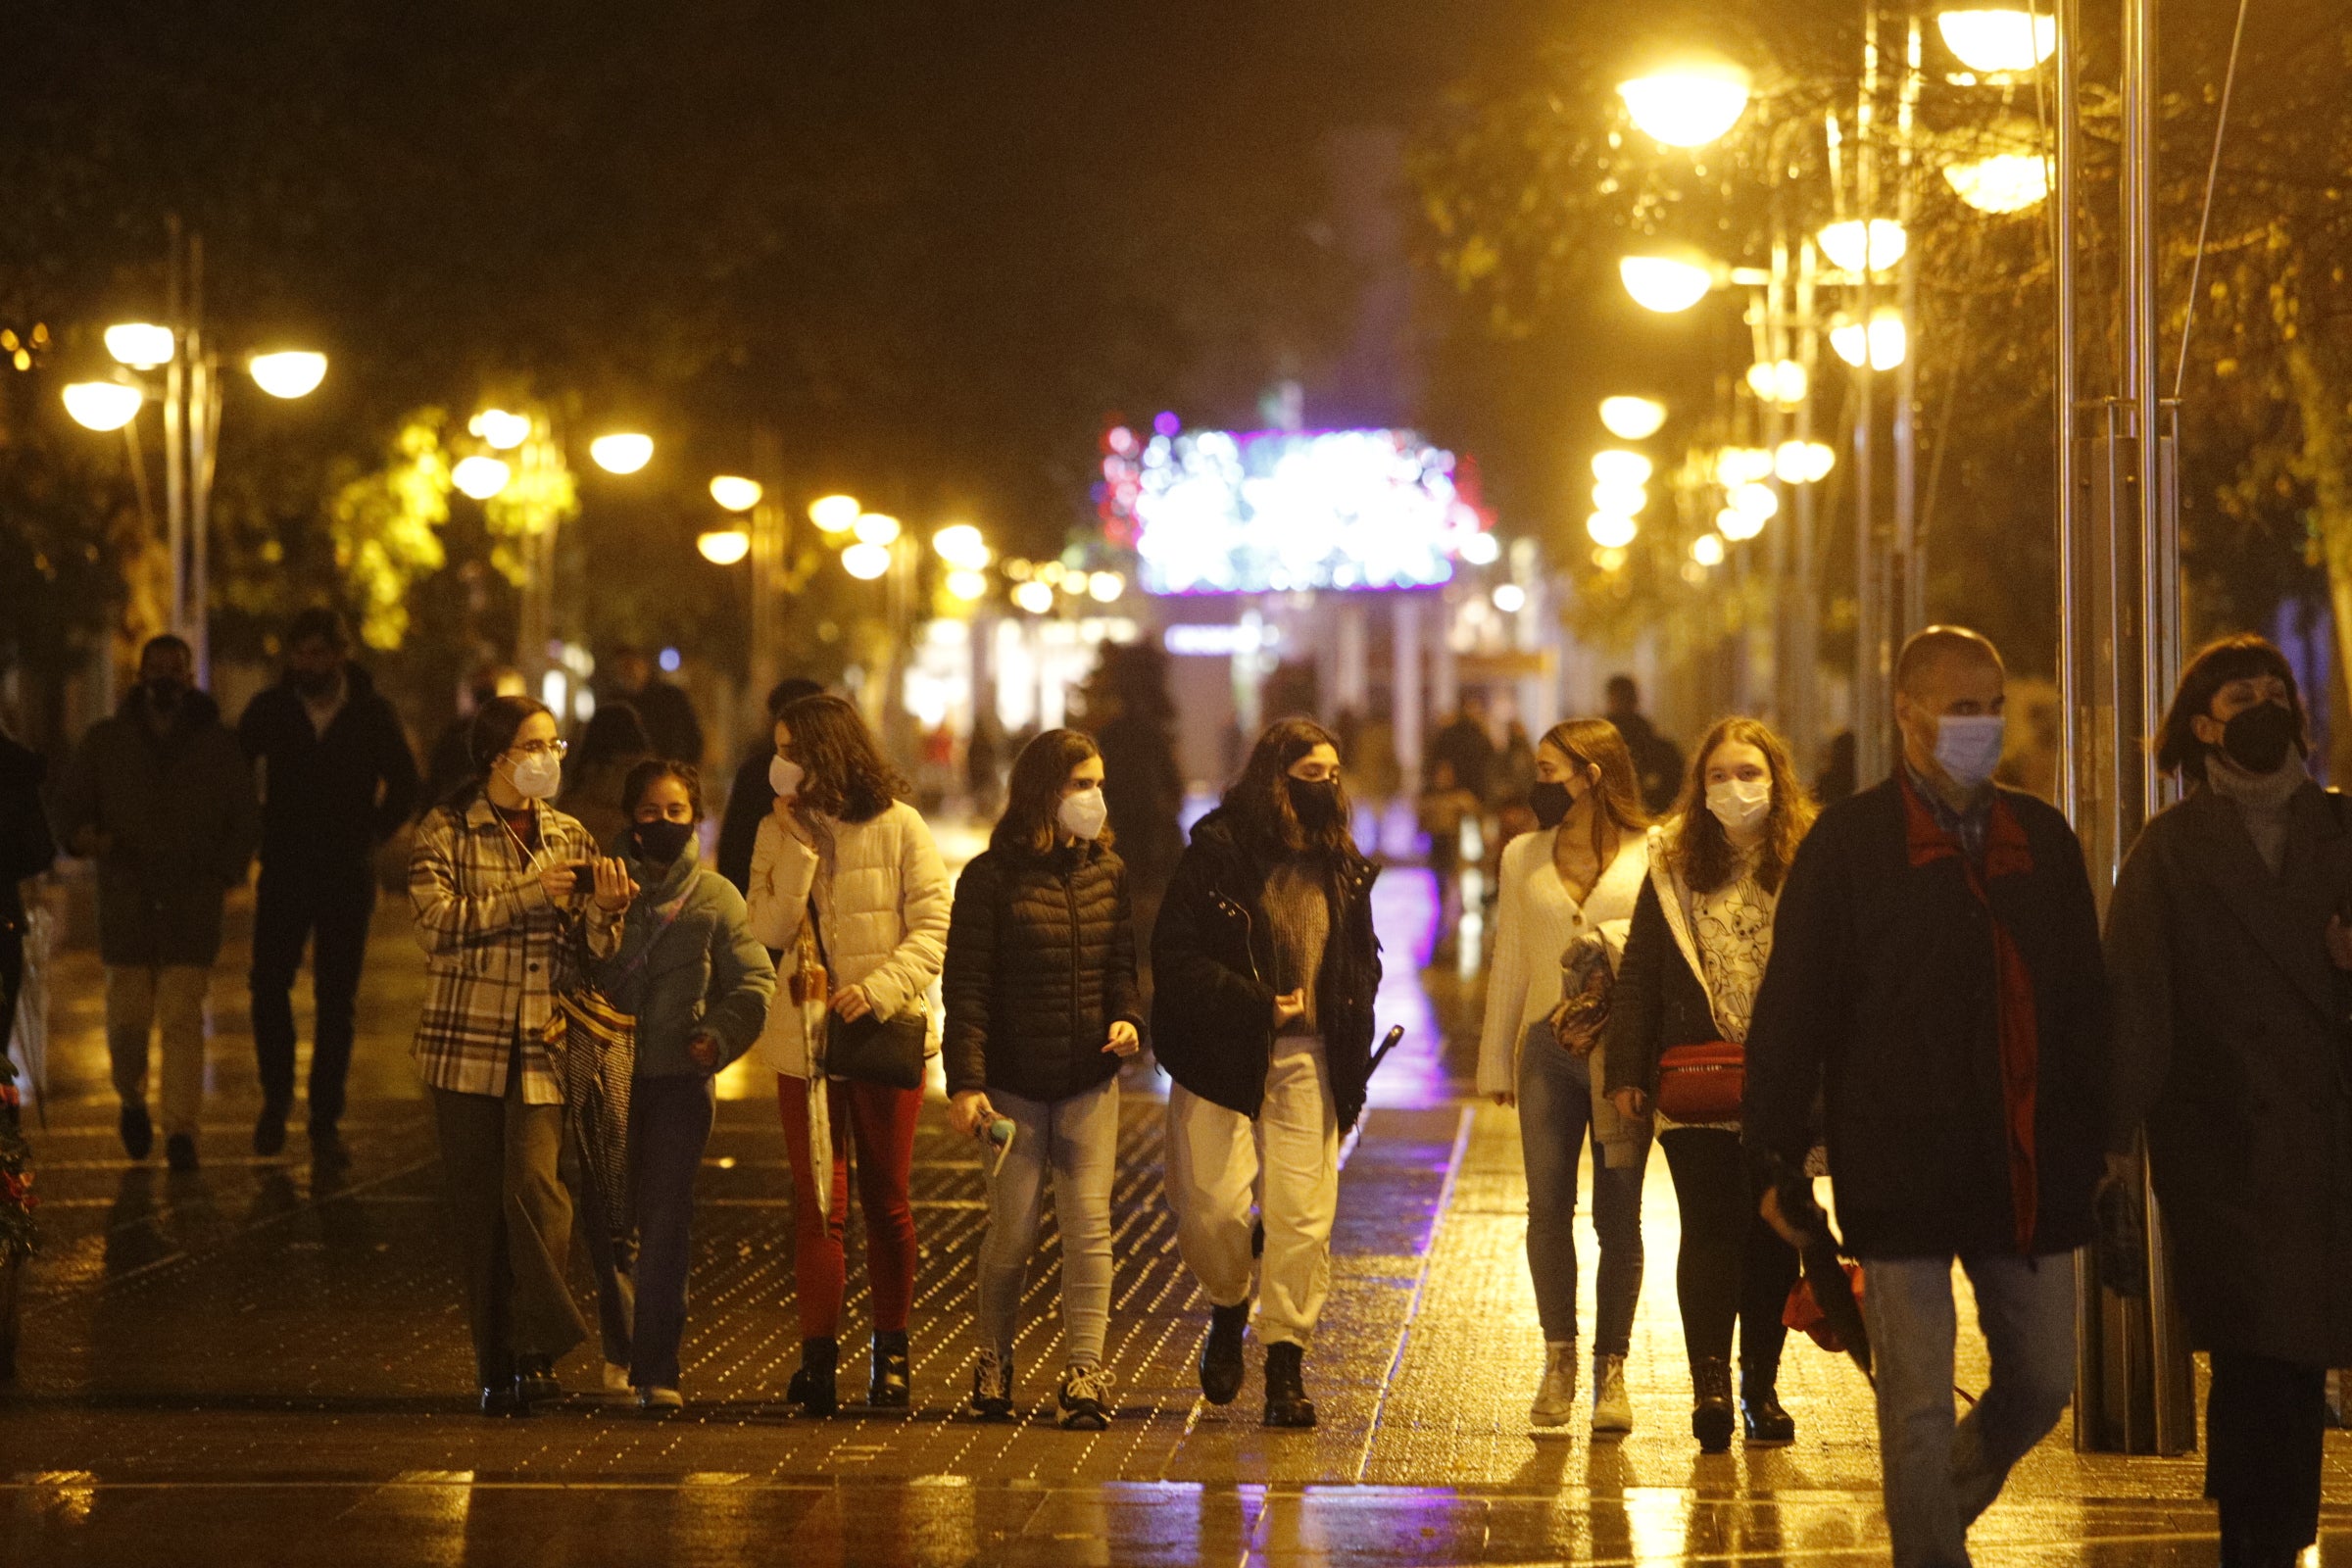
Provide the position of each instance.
(1826, 1278)
(1386, 1046)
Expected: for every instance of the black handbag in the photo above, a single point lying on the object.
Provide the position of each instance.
(871, 1049)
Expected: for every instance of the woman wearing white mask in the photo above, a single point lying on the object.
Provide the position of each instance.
(1678, 1019)
(1042, 1007)
(500, 880)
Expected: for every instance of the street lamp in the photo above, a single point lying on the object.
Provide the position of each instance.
(2005, 183)
(141, 345)
(968, 586)
(877, 528)
(1803, 461)
(1619, 466)
(1707, 549)
(1783, 383)
(1999, 40)
(723, 547)
(1888, 339)
(1853, 245)
(1631, 419)
(1687, 104)
(288, 374)
(835, 513)
(1609, 531)
(1665, 284)
(960, 545)
(503, 432)
(479, 476)
(1619, 500)
(736, 494)
(103, 404)
(623, 452)
(865, 560)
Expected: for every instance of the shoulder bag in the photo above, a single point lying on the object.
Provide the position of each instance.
(1701, 1084)
(1586, 980)
(871, 1049)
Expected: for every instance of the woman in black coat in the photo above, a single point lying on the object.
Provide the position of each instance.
(1042, 1007)
(2226, 949)
(1264, 971)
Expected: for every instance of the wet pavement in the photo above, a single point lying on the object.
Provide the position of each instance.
(262, 1363)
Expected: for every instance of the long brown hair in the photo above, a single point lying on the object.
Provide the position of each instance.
(1260, 801)
(1033, 793)
(1702, 854)
(1617, 796)
(845, 774)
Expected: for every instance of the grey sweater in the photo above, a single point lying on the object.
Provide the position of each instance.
(1300, 910)
(2261, 800)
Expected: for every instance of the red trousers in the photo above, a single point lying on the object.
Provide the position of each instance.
(880, 1121)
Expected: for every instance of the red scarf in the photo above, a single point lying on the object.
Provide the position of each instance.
(2006, 854)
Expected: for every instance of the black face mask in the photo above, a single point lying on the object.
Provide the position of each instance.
(2259, 737)
(1550, 800)
(661, 843)
(1314, 801)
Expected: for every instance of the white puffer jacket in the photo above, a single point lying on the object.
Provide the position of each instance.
(882, 901)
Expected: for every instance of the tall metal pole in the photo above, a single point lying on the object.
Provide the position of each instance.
(1909, 606)
(176, 433)
(2073, 782)
(1870, 723)
(1805, 646)
(203, 407)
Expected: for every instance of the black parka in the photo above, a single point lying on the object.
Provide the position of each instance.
(1212, 1014)
(2230, 1043)
(1041, 964)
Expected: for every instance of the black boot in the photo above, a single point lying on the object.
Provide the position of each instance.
(1221, 1366)
(535, 1380)
(1711, 1403)
(1761, 1419)
(504, 1399)
(1286, 1403)
(812, 1386)
(892, 1387)
(138, 1133)
(269, 1132)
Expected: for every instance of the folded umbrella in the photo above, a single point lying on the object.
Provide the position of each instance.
(1824, 1274)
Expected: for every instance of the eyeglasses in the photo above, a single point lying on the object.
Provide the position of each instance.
(553, 748)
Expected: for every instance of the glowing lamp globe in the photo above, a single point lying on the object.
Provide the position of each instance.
(1758, 501)
(1707, 549)
(1666, 284)
(103, 404)
(293, 374)
(480, 478)
(735, 493)
(1619, 500)
(1737, 525)
(503, 432)
(1509, 597)
(1034, 596)
(1481, 549)
(141, 345)
(1850, 243)
(1999, 40)
(1888, 340)
(624, 452)
(2005, 183)
(1631, 419)
(1619, 466)
(876, 528)
(1687, 104)
(723, 547)
(960, 545)
(1105, 587)
(866, 562)
(968, 586)
(835, 513)
(1611, 532)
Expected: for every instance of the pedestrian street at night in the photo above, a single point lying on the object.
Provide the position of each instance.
(261, 1362)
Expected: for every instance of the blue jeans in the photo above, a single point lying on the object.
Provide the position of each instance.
(1941, 1476)
(670, 1123)
(1555, 1120)
(1073, 1142)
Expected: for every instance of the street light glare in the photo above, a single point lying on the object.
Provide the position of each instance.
(1889, 340)
(293, 374)
(480, 478)
(960, 544)
(1631, 419)
(2005, 183)
(1611, 532)
(103, 404)
(1781, 382)
(876, 528)
(1034, 596)
(141, 345)
(1619, 466)
(1481, 549)
(1707, 549)
(866, 562)
(1688, 105)
(1739, 466)
(1758, 501)
(624, 452)
(1105, 587)
(1844, 243)
(1999, 40)
(504, 431)
(970, 586)
(835, 513)
(1666, 284)
(1617, 499)
(1509, 597)
(734, 493)
(723, 547)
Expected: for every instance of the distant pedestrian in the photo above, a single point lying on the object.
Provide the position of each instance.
(667, 712)
(1578, 876)
(750, 799)
(1042, 1007)
(847, 882)
(1937, 974)
(501, 884)
(26, 848)
(2227, 948)
(698, 985)
(1838, 774)
(1262, 1016)
(613, 743)
(1467, 745)
(1657, 760)
(450, 762)
(337, 779)
(1701, 946)
(161, 796)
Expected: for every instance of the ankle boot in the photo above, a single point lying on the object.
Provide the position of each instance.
(1711, 1403)
(812, 1386)
(1221, 1365)
(1762, 1418)
(1286, 1403)
(892, 1387)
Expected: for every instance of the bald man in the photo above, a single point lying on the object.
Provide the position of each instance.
(1937, 987)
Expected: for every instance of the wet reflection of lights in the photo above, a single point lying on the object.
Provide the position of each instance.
(66, 1496)
(1406, 913)
(1658, 1521)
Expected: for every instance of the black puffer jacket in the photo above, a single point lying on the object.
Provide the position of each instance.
(1212, 1017)
(1041, 964)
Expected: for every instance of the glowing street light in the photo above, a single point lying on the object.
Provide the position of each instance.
(1481, 549)
(1999, 40)
(734, 493)
(2005, 183)
(1619, 466)
(866, 562)
(1803, 461)
(479, 476)
(500, 431)
(1034, 596)
(960, 544)
(103, 404)
(723, 547)
(1739, 466)
(1781, 382)
(835, 513)
(1631, 419)
(1666, 284)
(1509, 597)
(141, 345)
(876, 528)
(623, 452)
(1738, 526)
(1609, 531)
(1619, 500)
(1845, 243)
(968, 586)
(290, 373)
(1888, 339)
(1105, 587)
(1757, 501)
(1707, 549)
(1687, 104)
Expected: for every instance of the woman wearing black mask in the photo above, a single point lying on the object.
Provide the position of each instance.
(1266, 968)
(698, 983)
(1579, 875)
(2227, 952)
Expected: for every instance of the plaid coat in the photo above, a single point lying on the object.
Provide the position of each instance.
(491, 936)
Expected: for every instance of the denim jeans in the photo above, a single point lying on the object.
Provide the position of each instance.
(1939, 1477)
(1076, 1141)
(669, 1124)
(1556, 1121)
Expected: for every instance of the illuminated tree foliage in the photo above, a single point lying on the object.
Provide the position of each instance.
(388, 527)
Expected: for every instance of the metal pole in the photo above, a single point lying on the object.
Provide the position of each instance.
(1909, 600)
(1869, 611)
(1805, 646)
(2073, 784)
(203, 407)
(176, 433)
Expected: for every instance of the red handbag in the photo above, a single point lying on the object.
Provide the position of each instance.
(1700, 1084)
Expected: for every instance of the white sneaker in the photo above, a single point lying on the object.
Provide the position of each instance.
(616, 1381)
(1613, 1409)
(1555, 1396)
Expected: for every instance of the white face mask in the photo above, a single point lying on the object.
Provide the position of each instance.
(1740, 805)
(1083, 814)
(1968, 746)
(537, 777)
(784, 776)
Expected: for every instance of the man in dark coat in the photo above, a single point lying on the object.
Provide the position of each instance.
(1936, 981)
(667, 712)
(162, 797)
(1657, 761)
(337, 779)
